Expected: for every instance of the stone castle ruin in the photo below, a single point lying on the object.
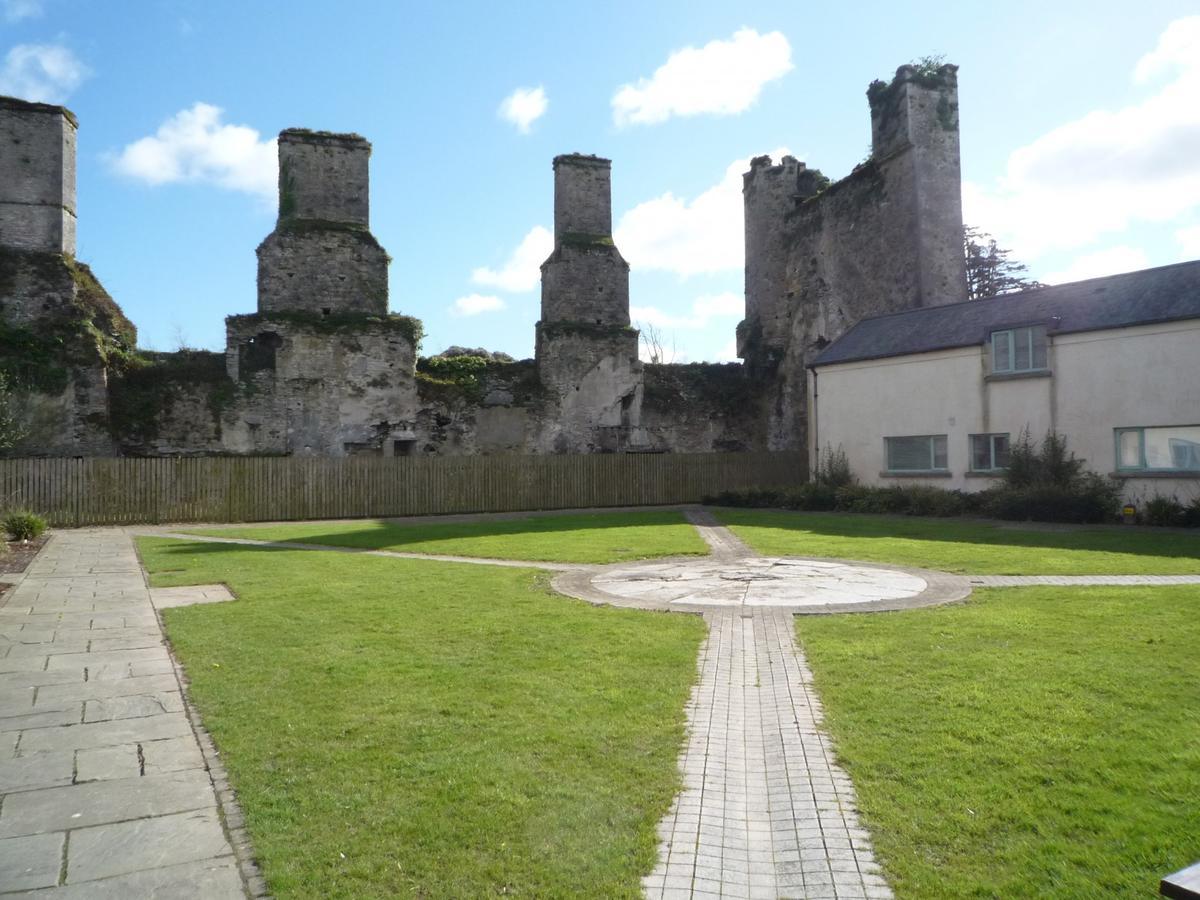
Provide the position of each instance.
(323, 368)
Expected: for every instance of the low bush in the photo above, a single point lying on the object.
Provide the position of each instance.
(1168, 512)
(24, 525)
(1090, 499)
(1044, 483)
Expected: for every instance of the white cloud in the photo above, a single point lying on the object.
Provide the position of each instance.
(704, 309)
(41, 73)
(16, 10)
(1104, 262)
(474, 304)
(702, 236)
(1177, 49)
(1108, 170)
(721, 78)
(523, 107)
(1189, 241)
(194, 145)
(523, 270)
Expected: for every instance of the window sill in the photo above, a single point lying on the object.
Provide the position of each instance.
(938, 473)
(994, 473)
(1193, 474)
(1018, 376)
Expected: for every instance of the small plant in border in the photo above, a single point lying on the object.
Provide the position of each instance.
(24, 525)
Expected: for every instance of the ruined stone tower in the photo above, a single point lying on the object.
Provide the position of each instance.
(587, 354)
(330, 371)
(820, 256)
(322, 258)
(59, 329)
(37, 177)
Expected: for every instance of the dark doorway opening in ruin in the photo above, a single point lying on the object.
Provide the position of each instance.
(258, 354)
(404, 448)
(325, 310)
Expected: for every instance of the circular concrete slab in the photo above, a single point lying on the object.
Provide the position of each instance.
(798, 585)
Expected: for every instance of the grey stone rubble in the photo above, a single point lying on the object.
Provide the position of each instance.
(105, 790)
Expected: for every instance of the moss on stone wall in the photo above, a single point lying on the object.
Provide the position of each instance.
(584, 329)
(32, 361)
(699, 389)
(153, 382)
(342, 324)
(451, 378)
(84, 327)
(580, 239)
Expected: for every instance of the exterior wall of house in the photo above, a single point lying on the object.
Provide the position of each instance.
(1099, 381)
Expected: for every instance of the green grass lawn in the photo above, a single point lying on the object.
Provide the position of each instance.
(1032, 742)
(412, 728)
(976, 548)
(595, 538)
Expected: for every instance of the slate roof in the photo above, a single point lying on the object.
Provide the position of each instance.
(1163, 294)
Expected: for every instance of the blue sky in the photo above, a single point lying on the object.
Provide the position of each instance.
(1080, 137)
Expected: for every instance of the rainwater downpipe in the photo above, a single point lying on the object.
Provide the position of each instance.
(816, 434)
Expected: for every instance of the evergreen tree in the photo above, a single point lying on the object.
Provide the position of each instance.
(990, 272)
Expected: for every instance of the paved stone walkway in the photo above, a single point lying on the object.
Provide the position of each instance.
(104, 791)
(765, 811)
(1079, 580)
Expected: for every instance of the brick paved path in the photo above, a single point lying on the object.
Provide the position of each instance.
(104, 791)
(765, 810)
(1079, 580)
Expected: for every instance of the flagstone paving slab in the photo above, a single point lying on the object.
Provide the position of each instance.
(104, 790)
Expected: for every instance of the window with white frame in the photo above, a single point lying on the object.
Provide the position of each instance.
(1173, 448)
(989, 452)
(917, 453)
(1019, 350)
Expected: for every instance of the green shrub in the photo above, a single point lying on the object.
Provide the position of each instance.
(1191, 514)
(1165, 511)
(24, 525)
(1090, 498)
(931, 501)
(833, 468)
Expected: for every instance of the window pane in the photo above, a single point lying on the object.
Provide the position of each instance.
(1000, 452)
(1128, 453)
(1021, 350)
(1002, 351)
(1173, 448)
(981, 452)
(908, 453)
(1039, 348)
(939, 452)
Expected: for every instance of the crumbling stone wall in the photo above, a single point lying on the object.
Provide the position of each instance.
(323, 368)
(320, 385)
(60, 337)
(701, 407)
(821, 256)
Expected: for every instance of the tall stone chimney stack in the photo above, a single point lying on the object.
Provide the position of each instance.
(587, 355)
(585, 280)
(37, 177)
(322, 258)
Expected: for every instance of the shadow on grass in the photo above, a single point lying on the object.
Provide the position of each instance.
(1107, 539)
(371, 534)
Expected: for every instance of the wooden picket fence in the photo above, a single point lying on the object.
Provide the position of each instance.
(75, 492)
